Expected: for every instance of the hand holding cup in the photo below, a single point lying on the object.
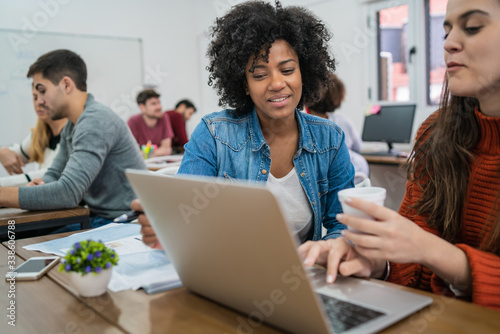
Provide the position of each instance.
(371, 194)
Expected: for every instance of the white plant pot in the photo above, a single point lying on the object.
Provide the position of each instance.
(90, 285)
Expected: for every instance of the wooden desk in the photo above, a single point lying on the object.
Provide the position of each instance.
(44, 307)
(385, 160)
(179, 311)
(163, 162)
(33, 220)
(174, 311)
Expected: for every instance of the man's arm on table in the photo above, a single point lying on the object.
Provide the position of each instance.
(9, 197)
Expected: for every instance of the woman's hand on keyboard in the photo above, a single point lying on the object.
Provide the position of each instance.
(339, 257)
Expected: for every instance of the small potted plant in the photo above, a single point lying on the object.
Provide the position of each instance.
(89, 264)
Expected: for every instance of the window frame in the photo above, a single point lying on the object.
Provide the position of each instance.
(418, 68)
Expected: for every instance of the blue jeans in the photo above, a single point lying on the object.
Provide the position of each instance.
(94, 221)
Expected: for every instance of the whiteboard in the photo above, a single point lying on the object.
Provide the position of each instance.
(114, 74)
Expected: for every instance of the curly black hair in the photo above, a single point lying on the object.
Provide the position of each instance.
(251, 26)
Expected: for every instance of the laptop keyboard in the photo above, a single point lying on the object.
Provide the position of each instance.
(344, 315)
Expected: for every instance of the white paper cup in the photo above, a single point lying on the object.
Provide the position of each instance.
(371, 194)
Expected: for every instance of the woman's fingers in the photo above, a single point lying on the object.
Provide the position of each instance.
(363, 240)
(338, 251)
(329, 253)
(136, 205)
(310, 251)
(373, 210)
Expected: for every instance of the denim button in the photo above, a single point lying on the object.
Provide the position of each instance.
(302, 174)
(264, 171)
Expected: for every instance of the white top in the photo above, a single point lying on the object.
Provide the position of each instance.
(352, 137)
(24, 149)
(352, 140)
(33, 169)
(293, 202)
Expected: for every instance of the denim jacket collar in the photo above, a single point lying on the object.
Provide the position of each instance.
(257, 137)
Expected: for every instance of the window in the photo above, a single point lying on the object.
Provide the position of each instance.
(436, 68)
(408, 51)
(392, 29)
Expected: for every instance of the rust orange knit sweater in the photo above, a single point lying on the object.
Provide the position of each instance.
(484, 182)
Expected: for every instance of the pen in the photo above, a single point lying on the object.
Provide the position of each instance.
(127, 217)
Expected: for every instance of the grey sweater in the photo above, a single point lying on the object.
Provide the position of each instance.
(89, 166)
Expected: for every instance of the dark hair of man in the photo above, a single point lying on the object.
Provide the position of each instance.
(57, 64)
(332, 98)
(255, 25)
(145, 95)
(187, 103)
(440, 165)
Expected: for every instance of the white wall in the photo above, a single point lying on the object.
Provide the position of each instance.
(346, 19)
(166, 28)
(174, 35)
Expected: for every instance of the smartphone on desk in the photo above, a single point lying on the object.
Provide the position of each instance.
(33, 269)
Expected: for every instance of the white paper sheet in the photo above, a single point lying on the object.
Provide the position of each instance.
(138, 265)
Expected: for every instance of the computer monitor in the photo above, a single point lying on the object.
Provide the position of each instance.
(392, 124)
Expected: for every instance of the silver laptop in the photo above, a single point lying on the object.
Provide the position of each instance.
(230, 243)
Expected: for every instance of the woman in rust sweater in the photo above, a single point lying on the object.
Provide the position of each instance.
(446, 236)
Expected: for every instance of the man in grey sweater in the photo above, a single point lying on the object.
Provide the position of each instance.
(96, 146)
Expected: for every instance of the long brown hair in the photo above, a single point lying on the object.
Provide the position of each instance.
(41, 134)
(440, 165)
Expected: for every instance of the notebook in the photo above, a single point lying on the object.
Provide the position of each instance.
(229, 242)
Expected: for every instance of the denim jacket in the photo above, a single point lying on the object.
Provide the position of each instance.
(231, 146)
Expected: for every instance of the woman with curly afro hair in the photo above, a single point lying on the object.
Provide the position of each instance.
(265, 63)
